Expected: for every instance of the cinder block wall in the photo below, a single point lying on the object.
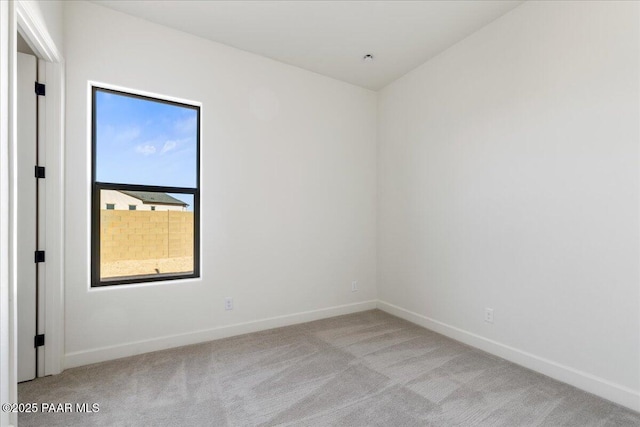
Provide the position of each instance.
(139, 235)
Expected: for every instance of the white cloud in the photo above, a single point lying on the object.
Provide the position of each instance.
(187, 125)
(168, 146)
(146, 149)
(127, 134)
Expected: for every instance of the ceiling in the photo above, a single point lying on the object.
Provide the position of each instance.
(328, 37)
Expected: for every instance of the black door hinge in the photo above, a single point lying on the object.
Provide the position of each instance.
(39, 256)
(39, 171)
(40, 89)
(38, 340)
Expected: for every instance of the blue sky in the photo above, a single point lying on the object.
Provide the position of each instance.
(145, 142)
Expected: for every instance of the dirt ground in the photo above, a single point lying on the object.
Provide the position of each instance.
(146, 267)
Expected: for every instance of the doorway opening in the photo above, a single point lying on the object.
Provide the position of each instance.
(30, 198)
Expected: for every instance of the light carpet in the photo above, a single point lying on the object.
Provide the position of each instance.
(364, 369)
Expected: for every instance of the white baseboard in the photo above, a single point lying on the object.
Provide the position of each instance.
(599, 386)
(102, 354)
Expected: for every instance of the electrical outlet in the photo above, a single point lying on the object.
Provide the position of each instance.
(488, 315)
(228, 303)
(354, 286)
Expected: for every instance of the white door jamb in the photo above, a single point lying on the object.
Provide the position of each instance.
(34, 31)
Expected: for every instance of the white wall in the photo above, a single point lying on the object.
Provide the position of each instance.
(508, 178)
(288, 188)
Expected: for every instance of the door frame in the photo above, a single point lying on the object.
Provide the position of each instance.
(8, 324)
(51, 139)
(19, 15)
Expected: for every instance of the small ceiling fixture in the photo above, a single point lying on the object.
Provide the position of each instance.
(367, 58)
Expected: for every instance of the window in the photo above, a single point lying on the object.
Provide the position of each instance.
(145, 156)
